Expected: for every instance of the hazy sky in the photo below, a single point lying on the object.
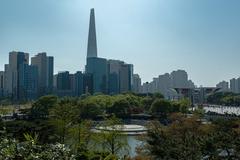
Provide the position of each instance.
(157, 36)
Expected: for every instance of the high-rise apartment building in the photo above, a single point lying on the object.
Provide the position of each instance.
(168, 84)
(224, 86)
(136, 83)
(179, 79)
(235, 85)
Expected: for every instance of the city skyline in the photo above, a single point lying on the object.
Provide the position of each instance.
(220, 62)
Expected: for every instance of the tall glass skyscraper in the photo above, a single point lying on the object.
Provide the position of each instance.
(98, 67)
(92, 38)
(28, 82)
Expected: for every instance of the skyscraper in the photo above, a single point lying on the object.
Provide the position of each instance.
(12, 72)
(99, 69)
(126, 78)
(92, 39)
(1, 84)
(45, 72)
(136, 83)
(28, 82)
(114, 67)
(78, 84)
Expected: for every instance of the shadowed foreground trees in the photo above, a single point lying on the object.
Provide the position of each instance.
(187, 138)
(64, 128)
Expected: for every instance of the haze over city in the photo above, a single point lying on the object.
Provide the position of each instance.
(156, 36)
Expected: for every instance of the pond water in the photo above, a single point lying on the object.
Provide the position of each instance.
(132, 133)
(133, 143)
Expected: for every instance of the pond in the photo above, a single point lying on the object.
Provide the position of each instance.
(133, 143)
(132, 131)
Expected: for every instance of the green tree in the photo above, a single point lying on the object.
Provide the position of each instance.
(178, 141)
(120, 108)
(41, 107)
(161, 107)
(158, 96)
(111, 138)
(90, 109)
(63, 116)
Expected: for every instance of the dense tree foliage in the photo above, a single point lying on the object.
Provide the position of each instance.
(62, 128)
(224, 98)
(187, 138)
(41, 107)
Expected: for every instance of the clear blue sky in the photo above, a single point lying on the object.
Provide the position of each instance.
(157, 36)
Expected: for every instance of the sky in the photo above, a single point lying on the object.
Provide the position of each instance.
(157, 36)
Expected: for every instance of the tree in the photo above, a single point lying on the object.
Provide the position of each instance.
(158, 96)
(81, 134)
(120, 108)
(184, 105)
(41, 107)
(161, 106)
(178, 141)
(111, 138)
(147, 102)
(63, 116)
(89, 109)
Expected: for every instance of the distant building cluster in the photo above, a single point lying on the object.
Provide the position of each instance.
(22, 80)
(233, 87)
(167, 83)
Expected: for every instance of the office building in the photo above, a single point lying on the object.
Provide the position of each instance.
(2, 84)
(78, 87)
(45, 73)
(98, 67)
(88, 87)
(63, 81)
(114, 67)
(28, 82)
(126, 78)
(64, 84)
(12, 72)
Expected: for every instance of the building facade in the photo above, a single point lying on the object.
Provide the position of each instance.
(235, 85)
(224, 86)
(12, 72)
(45, 72)
(98, 67)
(2, 81)
(136, 83)
(28, 82)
